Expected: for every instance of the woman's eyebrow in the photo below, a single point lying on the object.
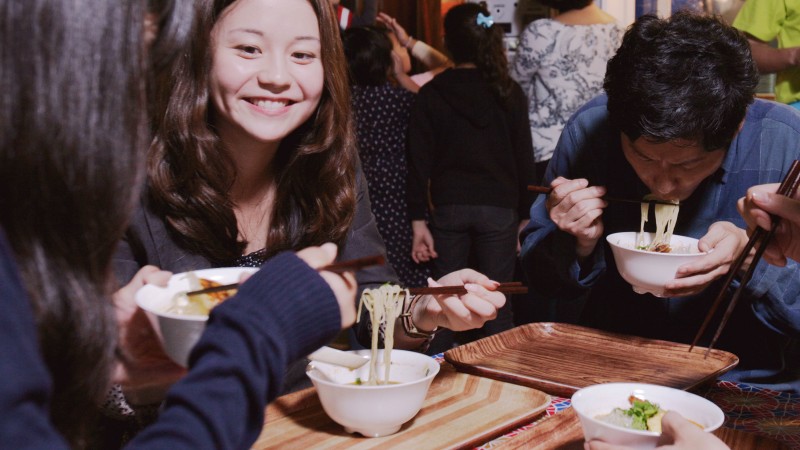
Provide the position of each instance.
(248, 31)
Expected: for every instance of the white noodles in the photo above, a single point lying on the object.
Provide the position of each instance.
(385, 304)
(666, 217)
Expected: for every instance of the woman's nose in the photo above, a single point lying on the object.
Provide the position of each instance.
(273, 74)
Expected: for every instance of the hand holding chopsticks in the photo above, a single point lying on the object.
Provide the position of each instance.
(512, 287)
(758, 240)
(548, 190)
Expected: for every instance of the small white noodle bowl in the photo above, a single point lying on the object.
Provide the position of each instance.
(600, 399)
(646, 271)
(379, 410)
(180, 332)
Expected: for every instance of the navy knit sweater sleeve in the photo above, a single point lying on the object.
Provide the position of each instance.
(283, 312)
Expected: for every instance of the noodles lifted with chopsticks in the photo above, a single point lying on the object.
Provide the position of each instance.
(666, 217)
(385, 304)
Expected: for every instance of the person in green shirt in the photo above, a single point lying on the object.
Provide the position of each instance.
(764, 21)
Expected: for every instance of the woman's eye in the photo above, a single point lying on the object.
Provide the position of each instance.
(248, 49)
(304, 56)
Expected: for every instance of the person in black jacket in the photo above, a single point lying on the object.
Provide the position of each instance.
(470, 148)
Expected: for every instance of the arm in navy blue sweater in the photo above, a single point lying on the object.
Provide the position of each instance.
(281, 313)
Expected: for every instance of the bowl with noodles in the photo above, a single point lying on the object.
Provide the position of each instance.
(648, 268)
(380, 408)
(178, 320)
(629, 414)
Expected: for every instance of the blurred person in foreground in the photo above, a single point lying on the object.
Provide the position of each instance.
(73, 136)
(678, 121)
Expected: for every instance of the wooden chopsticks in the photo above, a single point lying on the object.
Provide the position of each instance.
(512, 287)
(759, 239)
(353, 265)
(350, 265)
(548, 190)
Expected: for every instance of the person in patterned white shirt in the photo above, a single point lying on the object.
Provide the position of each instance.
(560, 64)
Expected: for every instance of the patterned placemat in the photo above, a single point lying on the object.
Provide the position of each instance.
(765, 412)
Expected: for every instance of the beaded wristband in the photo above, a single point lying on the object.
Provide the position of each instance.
(410, 329)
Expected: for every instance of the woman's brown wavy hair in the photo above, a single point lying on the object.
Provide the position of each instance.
(190, 174)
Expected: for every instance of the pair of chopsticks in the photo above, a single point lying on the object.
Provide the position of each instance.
(548, 190)
(350, 265)
(759, 239)
(512, 287)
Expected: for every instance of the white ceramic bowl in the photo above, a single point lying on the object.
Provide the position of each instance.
(374, 411)
(600, 399)
(648, 272)
(180, 332)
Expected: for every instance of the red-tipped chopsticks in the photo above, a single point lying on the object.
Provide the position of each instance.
(548, 190)
(350, 265)
(512, 287)
(759, 239)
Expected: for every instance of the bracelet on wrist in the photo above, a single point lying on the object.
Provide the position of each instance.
(407, 44)
(409, 327)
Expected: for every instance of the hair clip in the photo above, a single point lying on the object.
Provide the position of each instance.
(485, 21)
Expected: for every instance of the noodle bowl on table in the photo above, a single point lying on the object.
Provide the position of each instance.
(376, 399)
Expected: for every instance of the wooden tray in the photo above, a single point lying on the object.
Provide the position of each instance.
(563, 432)
(560, 359)
(461, 411)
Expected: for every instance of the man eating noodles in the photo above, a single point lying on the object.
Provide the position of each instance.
(678, 122)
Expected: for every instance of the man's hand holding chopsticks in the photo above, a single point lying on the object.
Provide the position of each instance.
(577, 208)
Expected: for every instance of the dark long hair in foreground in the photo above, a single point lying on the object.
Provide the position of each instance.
(73, 132)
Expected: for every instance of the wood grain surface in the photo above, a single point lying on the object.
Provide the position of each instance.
(461, 411)
(560, 359)
(563, 432)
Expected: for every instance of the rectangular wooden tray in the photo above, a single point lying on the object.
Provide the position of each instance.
(560, 358)
(461, 411)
